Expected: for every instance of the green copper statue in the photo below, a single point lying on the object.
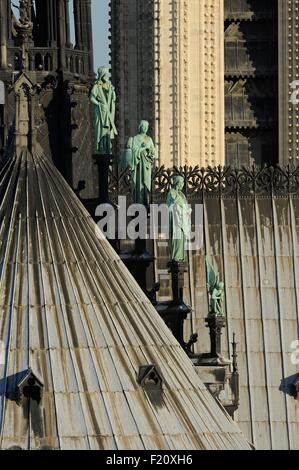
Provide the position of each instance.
(139, 155)
(180, 220)
(215, 290)
(103, 96)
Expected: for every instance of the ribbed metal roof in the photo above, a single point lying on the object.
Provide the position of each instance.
(71, 312)
(253, 240)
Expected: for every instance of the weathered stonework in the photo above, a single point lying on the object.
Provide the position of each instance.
(175, 63)
(289, 81)
(64, 73)
(251, 82)
(173, 80)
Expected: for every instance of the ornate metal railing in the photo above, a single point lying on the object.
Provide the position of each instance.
(220, 181)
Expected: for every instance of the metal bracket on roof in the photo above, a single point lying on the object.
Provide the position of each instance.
(31, 388)
(149, 378)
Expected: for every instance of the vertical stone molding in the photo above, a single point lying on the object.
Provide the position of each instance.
(288, 81)
(206, 72)
(168, 66)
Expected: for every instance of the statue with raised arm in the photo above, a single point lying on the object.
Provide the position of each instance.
(103, 96)
(24, 8)
(179, 220)
(139, 155)
(215, 290)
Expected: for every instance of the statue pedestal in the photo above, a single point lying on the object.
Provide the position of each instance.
(215, 324)
(220, 375)
(103, 163)
(138, 262)
(175, 312)
(174, 315)
(177, 269)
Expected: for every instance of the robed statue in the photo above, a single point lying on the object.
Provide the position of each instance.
(179, 220)
(139, 155)
(215, 291)
(103, 96)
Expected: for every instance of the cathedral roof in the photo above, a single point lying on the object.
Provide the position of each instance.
(85, 360)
